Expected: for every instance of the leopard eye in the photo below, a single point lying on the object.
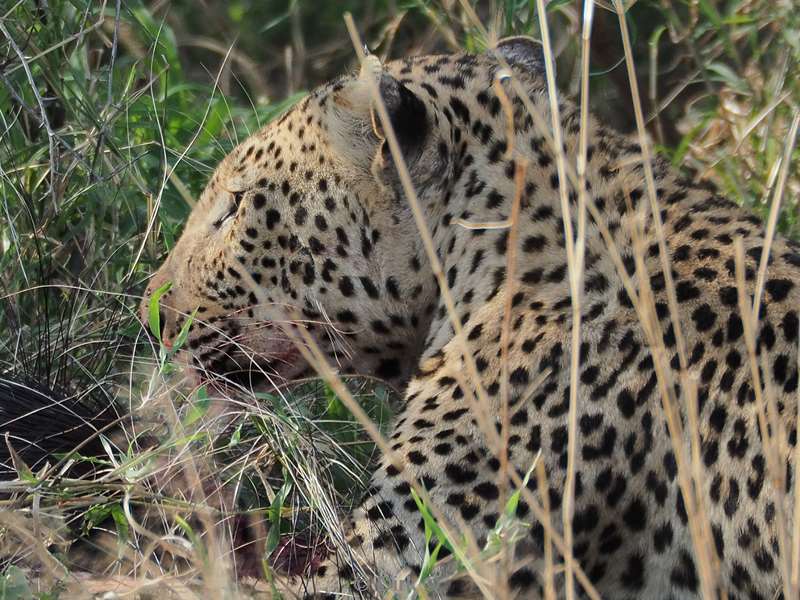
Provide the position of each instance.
(237, 200)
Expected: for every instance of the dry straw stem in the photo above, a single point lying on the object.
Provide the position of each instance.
(701, 533)
(205, 552)
(699, 523)
(772, 431)
(432, 256)
(315, 357)
(520, 170)
(575, 250)
(576, 281)
(544, 493)
(469, 558)
(644, 306)
(575, 253)
(211, 561)
(774, 212)
(750, 128)
(480, 408)
(505, 332)
(311, 352)
(651, 188)
(643, 303)
(767, 433)
(14, 524)
(574, 263)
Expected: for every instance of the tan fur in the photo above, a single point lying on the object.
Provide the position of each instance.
(379, 295)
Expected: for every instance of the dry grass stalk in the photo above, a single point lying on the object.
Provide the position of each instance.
(771, 451)
(311, 353)
(771, 430)
(505, 332)
(774, 211)
(482, 224)
(549, 575)
(575, 272)
(553, 137)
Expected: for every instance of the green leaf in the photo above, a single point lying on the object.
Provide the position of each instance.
(23, 470)
(153, 316)
(183, 333)
(739, 20)
(429, 521)
(431, 557)
(236, 437)
(275, 510)
(199, 407)
(711, 12)
(95, 515)
(513, 500)
(190, 533)
(14, 585)
(728, 76)
(335, 407)
(266, 396)
(121, 524)
(159, 31)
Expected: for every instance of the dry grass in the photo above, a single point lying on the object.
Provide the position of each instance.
(175, 493)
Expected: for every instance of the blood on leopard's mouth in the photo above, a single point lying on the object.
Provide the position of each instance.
(263, 372)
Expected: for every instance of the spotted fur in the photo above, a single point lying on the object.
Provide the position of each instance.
(305, 222)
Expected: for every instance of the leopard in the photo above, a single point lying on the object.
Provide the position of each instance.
(417, 221)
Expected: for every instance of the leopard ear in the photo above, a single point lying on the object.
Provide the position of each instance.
(522, 51)
(407, 114)
(354, 122)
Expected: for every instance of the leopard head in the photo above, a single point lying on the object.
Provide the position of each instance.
(304, 233)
